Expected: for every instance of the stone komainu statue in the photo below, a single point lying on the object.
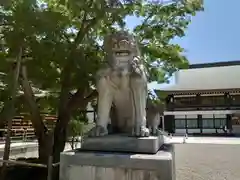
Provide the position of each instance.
(122, 85)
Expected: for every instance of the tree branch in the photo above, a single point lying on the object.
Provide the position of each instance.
(91, 96)
(81, 33)
(92, 22)
(79, 93)
(36, 119)
(64, 96)
(79, 100)
(66, 78)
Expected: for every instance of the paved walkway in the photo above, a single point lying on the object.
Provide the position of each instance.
(199, 158)
(203, 140)
(174, 140)
(27, 149)
(205, 161)
(20, 144)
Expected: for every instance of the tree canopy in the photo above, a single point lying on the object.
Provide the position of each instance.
(55, 33)
(62, 49)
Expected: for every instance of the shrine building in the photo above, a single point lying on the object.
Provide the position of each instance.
(205, 99)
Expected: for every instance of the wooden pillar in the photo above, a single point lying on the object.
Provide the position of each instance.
(170, 102)
(227, 100)
(199, 101)
(229, 121)
(214, 124)
(200, 123)
(199, 116)
(94, 116)
(186, 124)
(169, 123)
(169, 120)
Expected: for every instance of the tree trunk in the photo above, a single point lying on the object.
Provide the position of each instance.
(67, 104)
(60, 134)
(45, 145)
(43, 136)
(64, 114)
(4, 112)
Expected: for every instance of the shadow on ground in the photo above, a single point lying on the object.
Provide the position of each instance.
(17, 172)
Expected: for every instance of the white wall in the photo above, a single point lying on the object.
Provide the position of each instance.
(209, 78)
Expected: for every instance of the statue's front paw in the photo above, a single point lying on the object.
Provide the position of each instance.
(141, 132)
(154, 131)
(98, 131)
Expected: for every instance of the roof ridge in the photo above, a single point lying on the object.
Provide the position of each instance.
(214, 64)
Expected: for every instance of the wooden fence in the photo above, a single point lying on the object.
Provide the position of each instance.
(22, 126)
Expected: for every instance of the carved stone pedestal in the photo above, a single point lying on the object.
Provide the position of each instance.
(99, 165)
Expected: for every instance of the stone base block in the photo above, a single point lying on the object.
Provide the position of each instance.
(123, 143)
(86, 165)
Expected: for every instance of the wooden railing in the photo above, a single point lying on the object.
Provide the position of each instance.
(22, 126)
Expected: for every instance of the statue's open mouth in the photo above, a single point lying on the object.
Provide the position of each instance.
(122, 53)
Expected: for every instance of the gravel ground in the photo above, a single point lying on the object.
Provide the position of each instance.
(207, 162)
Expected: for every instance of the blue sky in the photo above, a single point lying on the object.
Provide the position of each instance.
(213, 35)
